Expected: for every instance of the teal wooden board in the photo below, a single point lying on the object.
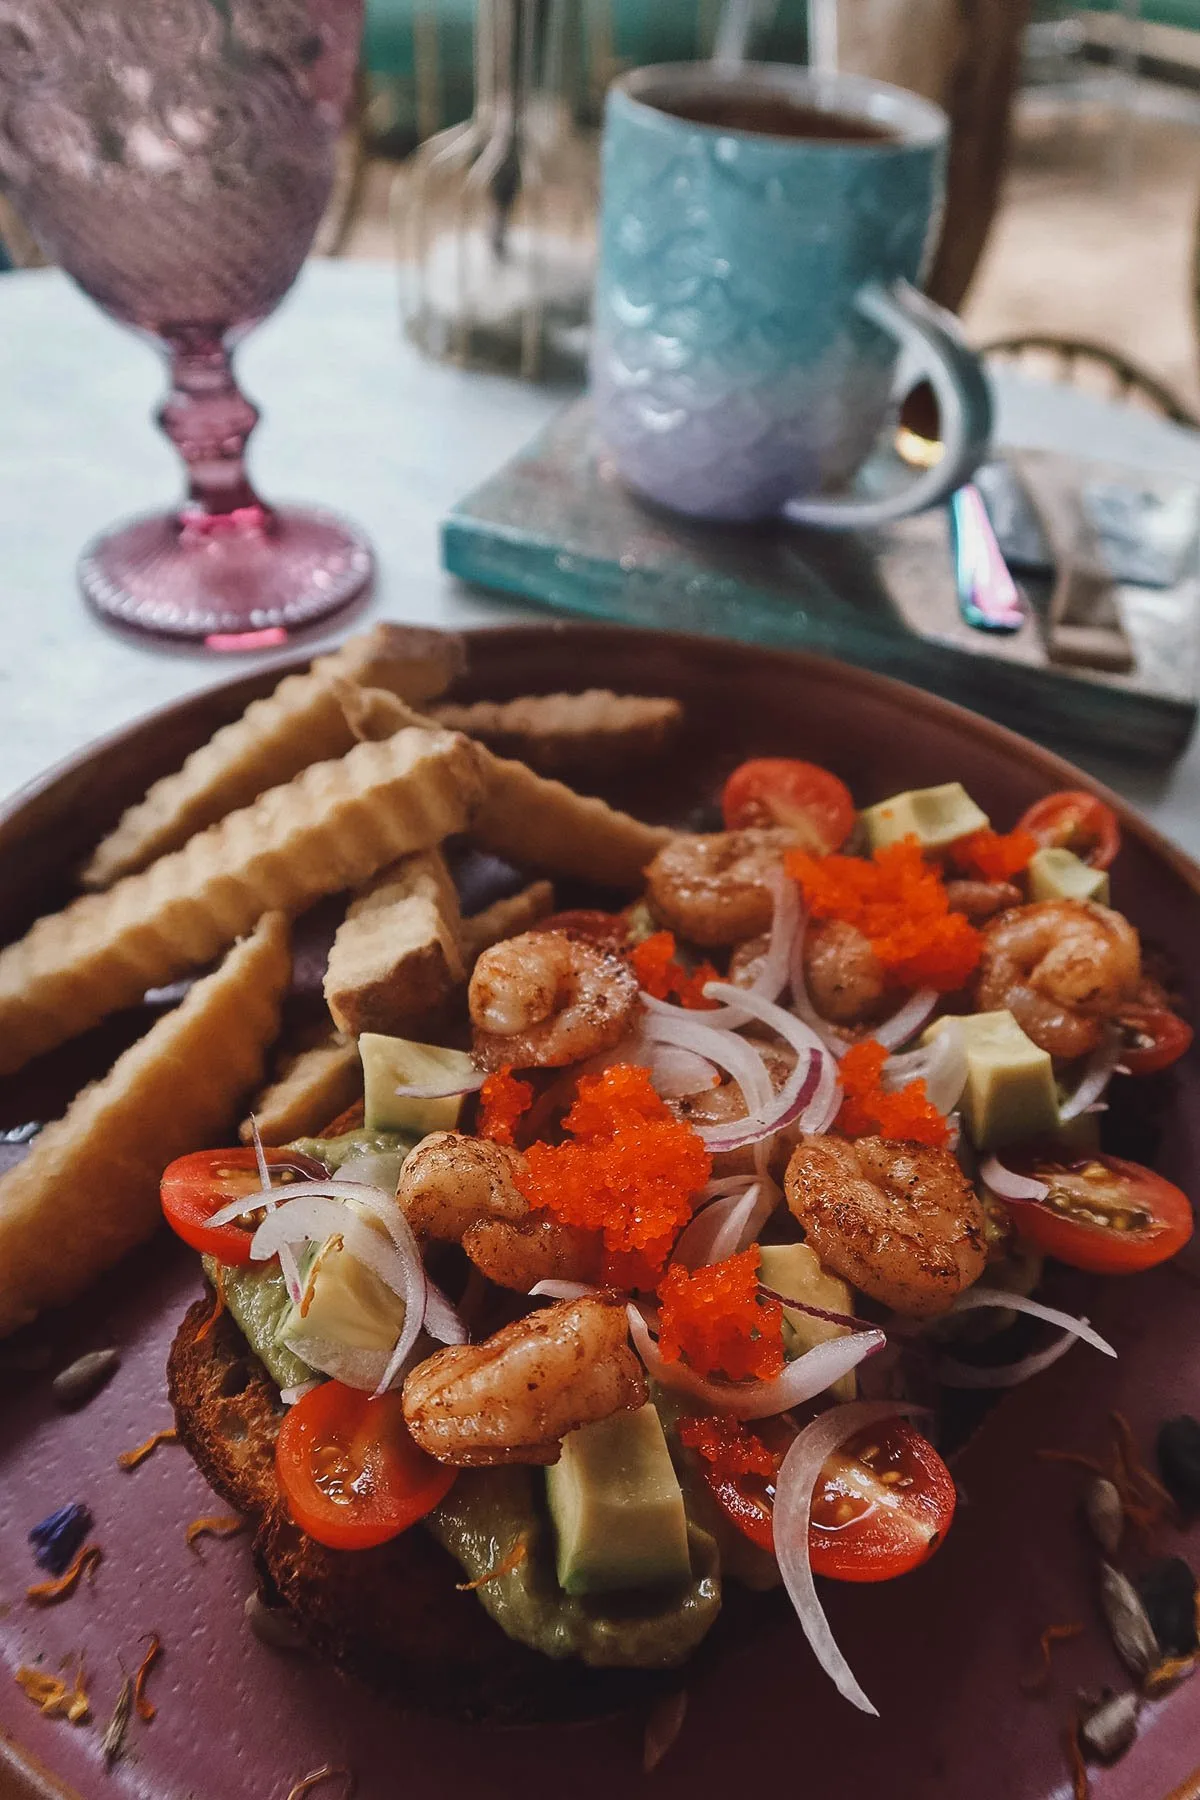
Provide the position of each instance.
(556, 527)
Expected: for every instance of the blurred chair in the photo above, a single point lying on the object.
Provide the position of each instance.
(1092, 368)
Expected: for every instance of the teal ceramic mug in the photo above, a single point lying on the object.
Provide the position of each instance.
(761, 234)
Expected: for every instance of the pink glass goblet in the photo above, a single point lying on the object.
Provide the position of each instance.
(175, 157)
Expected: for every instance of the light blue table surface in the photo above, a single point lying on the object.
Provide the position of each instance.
(354, 419)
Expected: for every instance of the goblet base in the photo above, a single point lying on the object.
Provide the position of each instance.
(232, 575)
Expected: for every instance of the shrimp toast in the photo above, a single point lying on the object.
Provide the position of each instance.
(90, 1181)
(300, 723)
(590, 734)
(313, 1086)
(525, 818)
(396, 958)
(396, 1616)
(330, 828)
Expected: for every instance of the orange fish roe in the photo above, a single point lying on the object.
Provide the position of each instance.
(898, 901)
(661, 973)
(728, 1445)
(867, 1109)
(717, 1320)
(991, 856)
(630, 1171)
(502, 1101)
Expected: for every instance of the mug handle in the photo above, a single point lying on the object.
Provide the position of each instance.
(936, 352)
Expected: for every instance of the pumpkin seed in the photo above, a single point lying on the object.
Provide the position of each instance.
(1104, 1513)
(82, 1380)
(1128, 1622)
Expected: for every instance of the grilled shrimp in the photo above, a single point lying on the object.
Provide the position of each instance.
(716, 889)
(981, 900)
(450, 1183)
(843, 975)
(463, 1190)
(519, 1253)
(1062, 968)
(900, 1222)
(546, 999)
(514, 1397)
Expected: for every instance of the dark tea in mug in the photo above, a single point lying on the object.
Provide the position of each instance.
(775, 115)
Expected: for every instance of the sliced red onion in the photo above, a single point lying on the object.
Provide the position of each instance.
(312, 1217)
(835, 1041)
(801, 1380)
(1098, 1071)
(288, 1265)
(772, 977)
(814, 1312)
(724, 1048)
(1007, 1184)
(290, 1395)
(376, 1201)
(441, 1320)
(441, 1090)
(908, 1021)
(818, 1084)
(795, 1486)
(983, 1296)
(785, 1109)
(726, 1225)
(941, 1065)
(561, 1290)
(952, 1373)
(677, 1072)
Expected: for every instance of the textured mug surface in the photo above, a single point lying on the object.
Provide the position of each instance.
(731, 368)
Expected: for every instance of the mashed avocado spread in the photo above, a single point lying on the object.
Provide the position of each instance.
(333, 1152)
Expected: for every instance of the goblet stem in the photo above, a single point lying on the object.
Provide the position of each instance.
(208, 419)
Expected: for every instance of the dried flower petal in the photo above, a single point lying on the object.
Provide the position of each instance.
(129, 1459)
(220, 1525)
(146, 1709)
(513, 1560)
(47, 1593)
(218, 1306)
(1053, 1634)
(52, 1696)
(58, 1536)
(113, 1741)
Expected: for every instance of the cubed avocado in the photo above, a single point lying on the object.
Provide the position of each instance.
(617, 1507)
(1009, 1093)
(1061, 875)
(391, 1062)
(344, 1301)
(935, 816)
(793, 1270)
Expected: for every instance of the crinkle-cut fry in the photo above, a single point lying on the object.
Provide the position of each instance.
(397, 958)
(300, 723)
(87, 1191)
(589, 734)
(526, 818)
(329, 828)
(506, 918)
(313, 1086)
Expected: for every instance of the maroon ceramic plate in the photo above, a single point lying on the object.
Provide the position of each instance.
(942, 1652)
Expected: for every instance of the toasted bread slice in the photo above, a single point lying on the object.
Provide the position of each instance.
(590, 734)
(395, 1616)
(330, 828)
(227, 1408)
(299, 724)
(396, 958)
(87, 1192)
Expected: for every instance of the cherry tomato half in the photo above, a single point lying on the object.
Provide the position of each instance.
(1154, 1038)
(349, 1470)
(1102, 1214)
(884, 1504)
(1075, 821)
(197, 1186)
(777, 790)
